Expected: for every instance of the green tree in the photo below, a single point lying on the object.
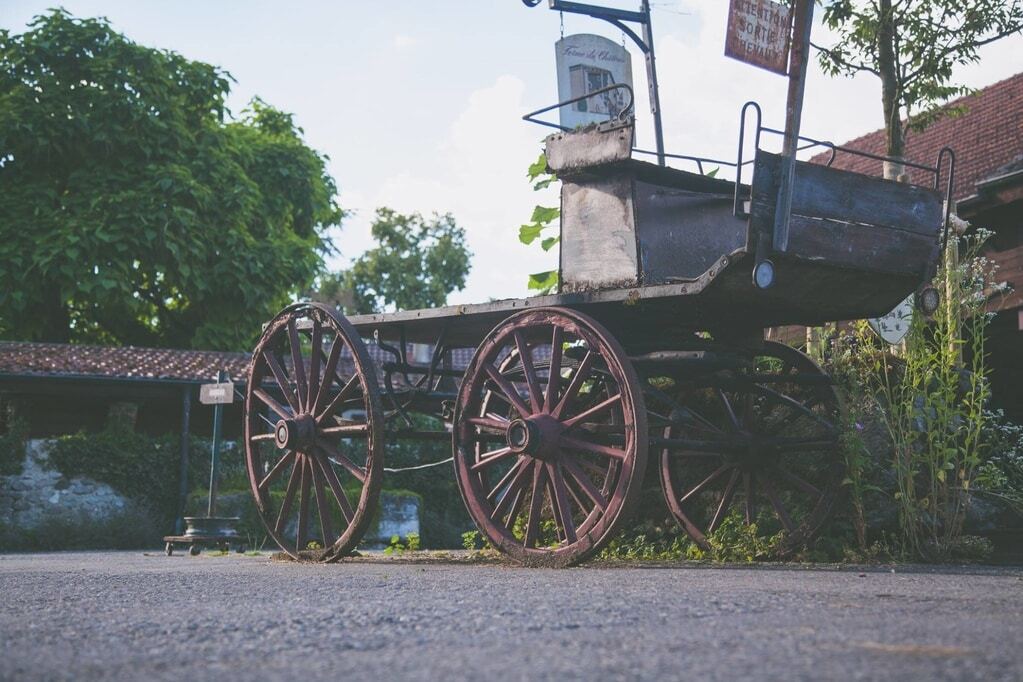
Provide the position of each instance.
(131, 211)
(417, 262)
(912, 47)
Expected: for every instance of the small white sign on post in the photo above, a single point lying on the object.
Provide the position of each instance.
(216, 394)
(586, 63)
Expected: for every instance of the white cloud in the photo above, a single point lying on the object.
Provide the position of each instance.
(402, 41)
(478, 174)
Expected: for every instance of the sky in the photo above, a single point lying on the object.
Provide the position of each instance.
(418, 103)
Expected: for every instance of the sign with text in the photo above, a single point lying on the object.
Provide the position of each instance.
(586, 63)
(216, 394)
(758, 33)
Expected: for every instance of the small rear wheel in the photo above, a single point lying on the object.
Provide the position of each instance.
(194, 550)
(757, 445)
(550, 437)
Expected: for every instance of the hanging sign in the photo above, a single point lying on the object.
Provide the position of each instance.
(586, 63)
(894, 326)
(758, 33)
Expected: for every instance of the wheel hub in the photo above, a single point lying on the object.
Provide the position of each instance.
(536, 436)
(296, 433)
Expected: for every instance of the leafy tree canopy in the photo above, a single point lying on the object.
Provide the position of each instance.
(417, 262)
(912, 46)
(131, 211)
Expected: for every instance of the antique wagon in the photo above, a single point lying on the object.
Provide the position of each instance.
(653, 347)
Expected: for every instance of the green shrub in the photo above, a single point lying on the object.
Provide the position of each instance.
(141, 467)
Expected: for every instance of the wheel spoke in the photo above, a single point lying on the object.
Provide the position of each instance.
(576, 444)
(802, 444)
(726, 500)
(281, 377)
(336, 488)
(798, 482)
(779, 509)
(561, 501)
(535, 504)
(526, 360)
(289, 495)
(593, 411)
(345, 430)
(314, 365)
(277, 470)
(583, 481)
(500, 425)
(263, 436)
(514, 494)
(489, 458)
(513, 474)
(341, 396)
(705, 482)
(729, 410)
(332, 453)
(303, 505)
(296, 360)
(799, 409)
(582, 373)
(510, 395)
(554, 376)
(329, 373)
(326, 526)
(271, 403)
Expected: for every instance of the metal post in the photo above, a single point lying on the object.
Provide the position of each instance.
(186, 411)
(793, 114)
(215, 455)
(651, 76)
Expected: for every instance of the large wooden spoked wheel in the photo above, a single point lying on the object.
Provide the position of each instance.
(550, 437)
(313, 432)
(759, 444)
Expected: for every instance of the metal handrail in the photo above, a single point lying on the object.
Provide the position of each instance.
(614, 86)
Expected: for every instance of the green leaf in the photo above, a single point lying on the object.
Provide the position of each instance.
(529, 233)
(549, 243)
(545, 183)
(538, 167)
(545, 214)
(713, 172)
(543, 281)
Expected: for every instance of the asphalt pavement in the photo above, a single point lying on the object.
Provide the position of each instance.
(130, 615)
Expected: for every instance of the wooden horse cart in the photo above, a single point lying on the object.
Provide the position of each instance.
(652, 349)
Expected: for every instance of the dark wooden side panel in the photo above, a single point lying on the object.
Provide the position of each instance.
(856, 246)
(822, 192)
(682, 234)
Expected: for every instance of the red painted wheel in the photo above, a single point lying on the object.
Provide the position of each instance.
(550, 437)
(759, 443)
(313, 432)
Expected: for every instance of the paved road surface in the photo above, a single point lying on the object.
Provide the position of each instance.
(125, 615)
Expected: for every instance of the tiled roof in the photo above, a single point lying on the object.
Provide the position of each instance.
(155, 364)
(988, 136)
(128, 362)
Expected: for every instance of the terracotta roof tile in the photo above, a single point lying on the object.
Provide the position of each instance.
(988, 136)
(155, 364)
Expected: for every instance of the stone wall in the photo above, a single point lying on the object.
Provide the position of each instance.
(40, 502)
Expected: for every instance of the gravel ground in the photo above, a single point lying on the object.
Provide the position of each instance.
(128, 615)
